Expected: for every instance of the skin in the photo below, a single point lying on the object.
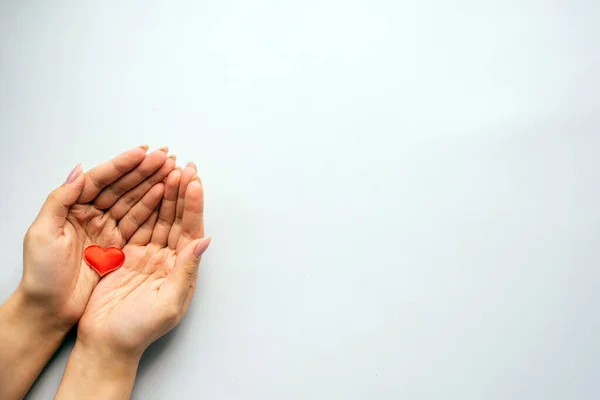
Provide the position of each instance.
(104, 206)
(144, 299)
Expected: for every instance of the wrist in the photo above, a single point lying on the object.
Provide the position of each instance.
(95, 371)
(28, 338)
(107, 356)
(29, 318)
(35, 315)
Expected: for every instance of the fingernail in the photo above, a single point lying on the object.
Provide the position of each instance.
(165, 149)
(173, 156)
(145, 147)
(74, 173)
(192, 165)
(201, 247)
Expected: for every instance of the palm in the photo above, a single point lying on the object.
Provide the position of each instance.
(126, 303)
(128, 295)
(87, 225)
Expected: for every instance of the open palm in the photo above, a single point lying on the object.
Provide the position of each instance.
(116, 198)
(145, 298)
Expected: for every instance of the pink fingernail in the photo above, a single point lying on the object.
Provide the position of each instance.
(202, 246)
(192, 165)
(74, 173)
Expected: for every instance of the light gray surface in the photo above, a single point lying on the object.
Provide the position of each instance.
(403, 195)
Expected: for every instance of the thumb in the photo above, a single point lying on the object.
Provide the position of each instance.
(56, 208)
(185, 270)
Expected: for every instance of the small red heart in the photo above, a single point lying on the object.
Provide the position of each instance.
(103, 261)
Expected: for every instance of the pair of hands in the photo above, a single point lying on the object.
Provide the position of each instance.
(151, 210)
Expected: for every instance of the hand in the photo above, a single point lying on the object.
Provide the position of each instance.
(56, 281)
(144, 299)
(56, 285)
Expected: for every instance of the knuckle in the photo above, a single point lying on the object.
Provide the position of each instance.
(28, 236)
(121, 166)
(94, 179)
(116, 191)
(154, 179)
(56, 198)
(190, 272)
(133, 219)
(129, 201)
(33, 235)
(52, 197)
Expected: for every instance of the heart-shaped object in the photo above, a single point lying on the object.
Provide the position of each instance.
(103, 261)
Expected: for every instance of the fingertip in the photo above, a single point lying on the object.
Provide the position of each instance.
(81, 177)
(74, 174)
(188, 172)
(159, 154)
(159, 187)
(171, 163)
(138, 152)
(154, 195)
(202, 246)
(173, 178)
(193, 188)
(129, 159)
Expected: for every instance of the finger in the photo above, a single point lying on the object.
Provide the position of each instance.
(131, 198)
(192, 222)
(103, 175)
(166, 215)
(53, 214)
(187, 175)
(189, 295)
(141, 211)
(142, 236)
(185, 271)
(115, 190)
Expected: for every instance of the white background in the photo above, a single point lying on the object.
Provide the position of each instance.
(404, 196)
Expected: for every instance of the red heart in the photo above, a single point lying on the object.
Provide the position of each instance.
(103, 261)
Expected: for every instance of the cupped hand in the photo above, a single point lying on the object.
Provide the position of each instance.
(145, 298)
(104, 206)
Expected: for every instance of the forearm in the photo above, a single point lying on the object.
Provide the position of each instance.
(96, 373)
(28, 338)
